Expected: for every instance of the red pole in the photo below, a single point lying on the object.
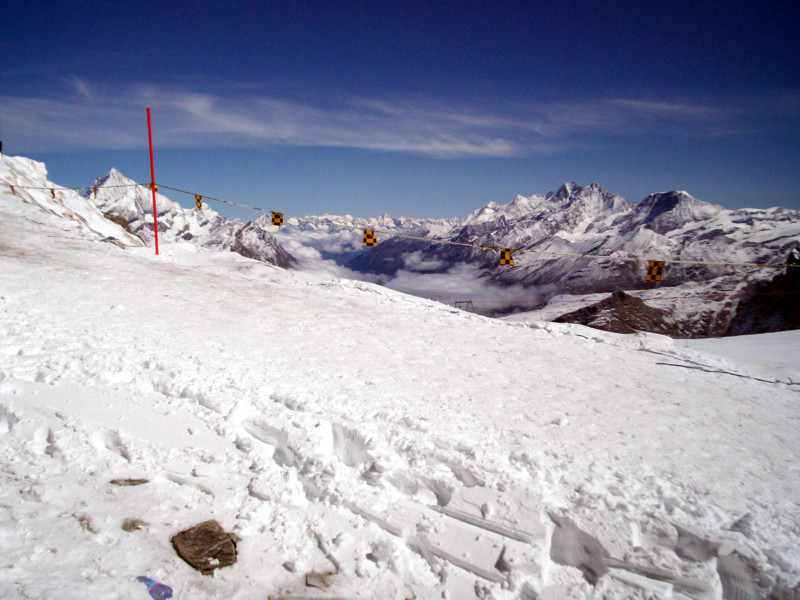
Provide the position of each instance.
(152, 179)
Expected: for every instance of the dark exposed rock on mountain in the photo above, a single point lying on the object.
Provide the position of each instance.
(772, 305)
(622, 313)
(764, 306)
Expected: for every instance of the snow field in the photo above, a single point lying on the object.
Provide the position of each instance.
(406, 448)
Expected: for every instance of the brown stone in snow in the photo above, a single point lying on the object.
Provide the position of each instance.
(205, 547)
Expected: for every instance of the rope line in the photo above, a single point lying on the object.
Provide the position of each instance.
(505, 252)
(82, 187)
(166, 187)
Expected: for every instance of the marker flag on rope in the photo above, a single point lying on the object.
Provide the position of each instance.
(198, 200)
(369, 238)
(94, 190)
(52, 193)
(152, 186)
(505, 256)
(13, 191)
(277, 219)
(655, 269)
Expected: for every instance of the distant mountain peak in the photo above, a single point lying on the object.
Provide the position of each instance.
(123, 198)
(114, 176)
(666, 211)
(571, 190)
(567, 190)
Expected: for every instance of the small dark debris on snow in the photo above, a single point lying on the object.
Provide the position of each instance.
(129, 482)
(133, 524)
(86, 522)
(319, 580)
(290, 566)
(206, 547)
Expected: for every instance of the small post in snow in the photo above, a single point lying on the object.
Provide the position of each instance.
(152, 179)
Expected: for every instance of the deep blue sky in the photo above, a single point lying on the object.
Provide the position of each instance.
(411, 108)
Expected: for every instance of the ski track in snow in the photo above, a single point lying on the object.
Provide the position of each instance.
(411, 450)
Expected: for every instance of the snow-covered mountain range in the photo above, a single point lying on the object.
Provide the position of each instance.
(552, 229)
(551, 232)
(555, 231)
(339, 238)
(120, 197)
(312, 240)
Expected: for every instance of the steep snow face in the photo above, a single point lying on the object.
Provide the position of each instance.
(122, 197)
(25, 173)
(669, 211)
(591, 202)
(570, 209)
(393, 446)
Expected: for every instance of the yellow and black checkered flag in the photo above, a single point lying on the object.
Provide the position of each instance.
(53, 192)
(369, 238)
(505, 256)
(152, 186)
(198, 200)
(655, 269)
(94, 191)
(277, 219)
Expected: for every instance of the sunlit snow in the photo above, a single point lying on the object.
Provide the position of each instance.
(394, 446)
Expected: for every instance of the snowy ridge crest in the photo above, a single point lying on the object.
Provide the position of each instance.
(25, 173)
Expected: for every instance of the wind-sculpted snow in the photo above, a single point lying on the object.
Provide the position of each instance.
(379, 444)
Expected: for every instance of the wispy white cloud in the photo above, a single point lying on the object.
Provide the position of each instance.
(89, 116)
(671, 109)
(81, 86)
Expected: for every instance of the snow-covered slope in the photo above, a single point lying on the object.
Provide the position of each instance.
(30, 185)
(119, 196)
(396, 447)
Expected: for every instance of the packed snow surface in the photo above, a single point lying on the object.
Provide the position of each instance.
(393, 446)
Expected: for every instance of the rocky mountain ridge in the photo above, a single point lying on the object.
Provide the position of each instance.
(563, 234)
